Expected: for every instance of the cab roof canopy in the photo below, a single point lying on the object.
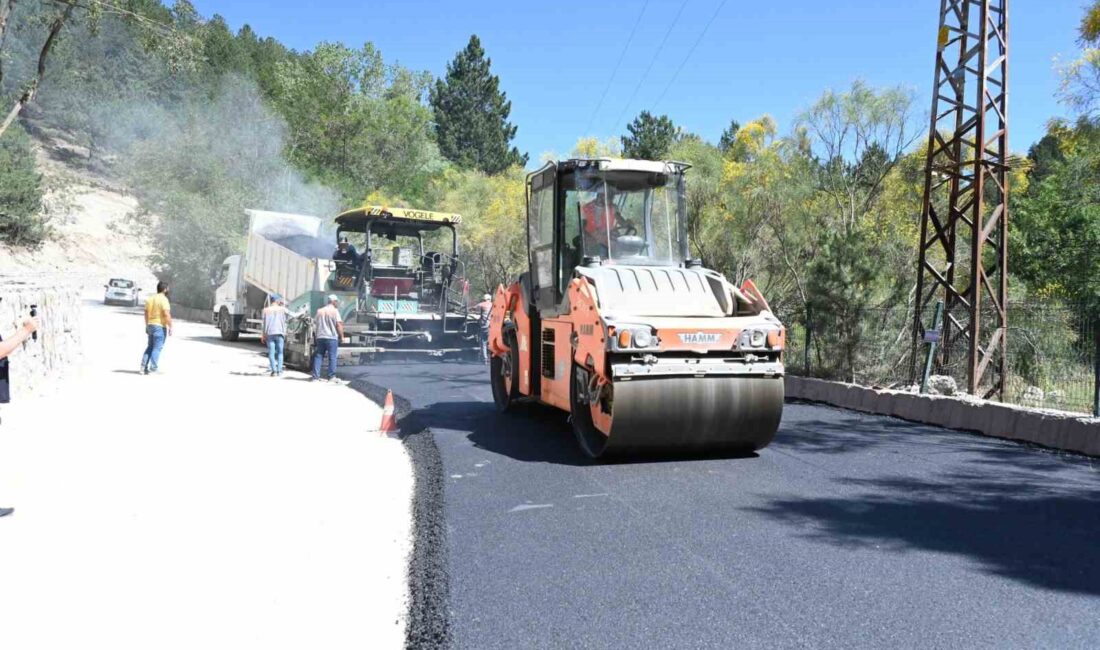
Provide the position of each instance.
(622, 173)
(401, 221)
(624, 165)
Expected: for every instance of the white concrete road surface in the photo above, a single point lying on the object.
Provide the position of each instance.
(210, 506)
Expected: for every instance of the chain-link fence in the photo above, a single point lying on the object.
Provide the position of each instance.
(1050, 359)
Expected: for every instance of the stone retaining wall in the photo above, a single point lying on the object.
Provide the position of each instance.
(59, 347)
(1057, 430)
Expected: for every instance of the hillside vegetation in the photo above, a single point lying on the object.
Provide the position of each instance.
(201, 122)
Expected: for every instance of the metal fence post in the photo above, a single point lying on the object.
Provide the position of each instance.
(936, 315)
(1096, 367)
(806, 351)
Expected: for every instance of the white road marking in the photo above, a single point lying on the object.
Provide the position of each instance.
(531, 506)
(588, 496)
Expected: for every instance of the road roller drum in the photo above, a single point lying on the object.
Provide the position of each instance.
(683, 415)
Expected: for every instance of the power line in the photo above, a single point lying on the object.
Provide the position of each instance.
(690, 52)
(656, 55)
(622, 55)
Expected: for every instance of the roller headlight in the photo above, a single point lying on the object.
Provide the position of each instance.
(757, 338)
(635, 338)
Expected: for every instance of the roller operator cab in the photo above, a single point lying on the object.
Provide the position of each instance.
(615, 324)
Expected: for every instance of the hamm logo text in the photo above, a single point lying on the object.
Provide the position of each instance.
(700, 337)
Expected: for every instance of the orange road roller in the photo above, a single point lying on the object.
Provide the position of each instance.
(617, 325)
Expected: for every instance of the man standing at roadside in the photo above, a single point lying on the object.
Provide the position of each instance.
(158, 326)
(484, 309)
(7, 346)
(274, 333)
(328, 331)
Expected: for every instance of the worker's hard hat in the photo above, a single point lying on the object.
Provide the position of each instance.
(276, 297)
(333, 298)
(486, 297)
(343, 240)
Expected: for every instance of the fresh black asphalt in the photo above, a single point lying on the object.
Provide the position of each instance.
(849, 531)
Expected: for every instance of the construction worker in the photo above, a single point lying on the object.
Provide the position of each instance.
(274, 333)
(158, 326)
(483, 309)
(345, 252)
(328, 330)
(7, 346)
(600, 217)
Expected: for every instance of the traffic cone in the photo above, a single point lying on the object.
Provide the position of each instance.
(389, 419)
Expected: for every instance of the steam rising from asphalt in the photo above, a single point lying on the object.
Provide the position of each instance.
(233, 139)
(204, 162)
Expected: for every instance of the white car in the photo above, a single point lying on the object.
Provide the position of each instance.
(121, 292)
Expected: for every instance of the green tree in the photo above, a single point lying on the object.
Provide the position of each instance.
(21, 222)
(59, 16)
(1090, 24)
(471, 114)
(357, 122)
(1080, 86)
(222, 51)
(729, 135)
(37, 28)
(1045, 157)
(839, 279)
(650, 138)
(1055, 229)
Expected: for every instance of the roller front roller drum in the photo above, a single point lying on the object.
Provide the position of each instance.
(678, 415)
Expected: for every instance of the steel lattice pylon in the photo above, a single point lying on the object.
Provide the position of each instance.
(964, 219)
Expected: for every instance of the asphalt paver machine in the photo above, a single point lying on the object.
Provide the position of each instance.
(401, 285)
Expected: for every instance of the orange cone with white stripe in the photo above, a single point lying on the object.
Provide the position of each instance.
(389, 418)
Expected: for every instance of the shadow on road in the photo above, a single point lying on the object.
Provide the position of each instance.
(533, 434)
(250, 373)
(1047, 540)
(242, 344)
(1018, 512)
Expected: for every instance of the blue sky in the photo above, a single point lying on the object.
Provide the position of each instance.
(555, 59)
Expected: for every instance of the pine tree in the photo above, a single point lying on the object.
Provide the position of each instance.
(729, 136)
(21, 223)
(471, 114)
(650, 137)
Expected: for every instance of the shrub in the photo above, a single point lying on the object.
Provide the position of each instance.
(21, 219)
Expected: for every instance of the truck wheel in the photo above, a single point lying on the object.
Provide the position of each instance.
(225, 326)
(504, 376)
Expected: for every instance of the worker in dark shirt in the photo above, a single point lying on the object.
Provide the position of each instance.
(345, 252)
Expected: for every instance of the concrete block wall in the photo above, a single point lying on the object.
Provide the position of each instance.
(1057, 430)
(59, 347)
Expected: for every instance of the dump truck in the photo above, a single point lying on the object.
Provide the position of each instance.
(285, 254)
(398, 295)
(615, 323)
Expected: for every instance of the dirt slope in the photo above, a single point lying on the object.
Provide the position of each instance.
(92, 240)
